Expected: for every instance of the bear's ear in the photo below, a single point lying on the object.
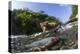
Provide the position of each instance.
(40, 23)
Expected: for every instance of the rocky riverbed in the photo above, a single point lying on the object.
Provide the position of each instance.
(25, 43)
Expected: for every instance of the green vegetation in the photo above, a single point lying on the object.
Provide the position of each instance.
(74, 15)
(74, 11)
(28, 22)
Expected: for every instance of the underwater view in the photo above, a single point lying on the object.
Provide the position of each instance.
(35, 27)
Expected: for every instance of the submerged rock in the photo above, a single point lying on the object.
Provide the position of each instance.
(67, 40)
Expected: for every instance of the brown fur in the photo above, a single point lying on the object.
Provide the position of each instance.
(45, 26)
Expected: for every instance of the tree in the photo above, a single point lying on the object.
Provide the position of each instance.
(74, 12)
(74, 15)
(28, 22)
